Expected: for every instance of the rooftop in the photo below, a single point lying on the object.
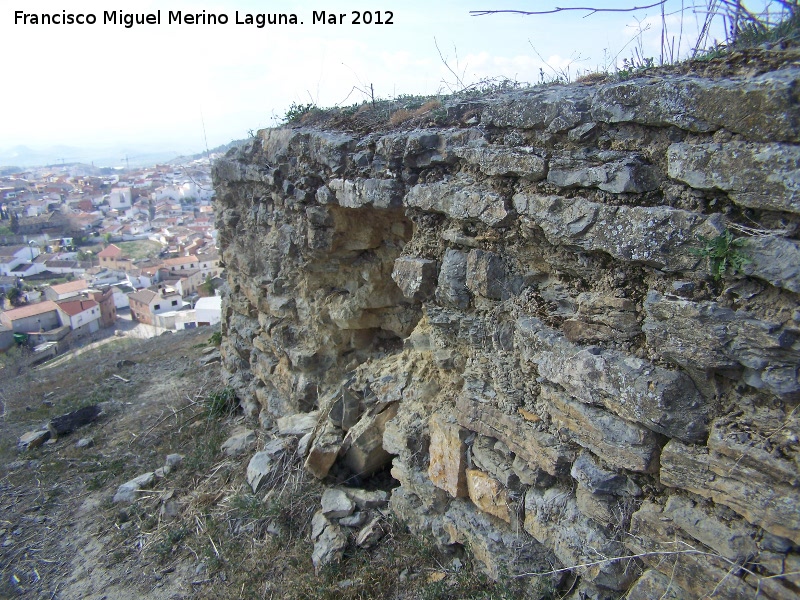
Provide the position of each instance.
(71, 286)
(110, 251)
(31, 310)
(75, 307)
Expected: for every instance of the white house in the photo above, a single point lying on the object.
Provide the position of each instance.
(120, 198)
(172, 192)
(84, 315)
(13, 256)
(208, 311)
(121, 292)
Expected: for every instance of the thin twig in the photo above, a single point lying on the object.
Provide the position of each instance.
(588, 9)
(459, 80)
(160, 421)
(634, 556)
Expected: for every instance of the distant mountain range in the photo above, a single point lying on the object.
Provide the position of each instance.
(18, 158)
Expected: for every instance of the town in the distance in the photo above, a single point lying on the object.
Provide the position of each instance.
(88, 254)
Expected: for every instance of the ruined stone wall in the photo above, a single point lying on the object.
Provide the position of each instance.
(509, 308)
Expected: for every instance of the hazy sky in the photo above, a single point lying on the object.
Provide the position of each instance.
(105, 84)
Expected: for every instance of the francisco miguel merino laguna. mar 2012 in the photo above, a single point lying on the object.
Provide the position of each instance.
(176, 17)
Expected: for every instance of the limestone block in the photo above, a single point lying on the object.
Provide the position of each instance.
(298, 424)
(774, 259)
(426, 147)
(501, 550)
(263, 463)
(325, 148)
(486, 275)
(259, 467)
(241, 439)
(370, 534)
(460, 198)
(706, 335)
(752, 492)
(655, 236)
(498, 464)
(378, 193)
(416, 277)
(357, 519)
(346, 410)
(324, 450)
(318, 524)
(618, 314)
(520, 162)
(329, 547)
(733, 539)
(537, 447)
(553, 518)
(365, 499)
(614, 172)
(604, 509)
(530, 476)
(336, 504)
(662, 400)
(653, 584)
(364, 454)
(764, 176)
(579, 330)
(761, 108)
(417, 516)
(553, 108)
(447, 466)
(620, 443)
(127, 492)
(590, 474)
(488, 494)
(452, 287)
(651, 531)
(324, 195)
(33, 439)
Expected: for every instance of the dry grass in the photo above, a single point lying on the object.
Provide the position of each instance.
(402, 115)
(223, 541)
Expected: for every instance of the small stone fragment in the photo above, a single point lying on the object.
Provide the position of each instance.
(357, 519)
(370, 534)
(239, 442)
(173, 460)
(318, 524)
(33, 439)
(336, 504)
(298, 424)
(259, 467)
(329, 547)
(127, 492)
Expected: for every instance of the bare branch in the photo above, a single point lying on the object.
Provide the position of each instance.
(459, 80)
(588, 9)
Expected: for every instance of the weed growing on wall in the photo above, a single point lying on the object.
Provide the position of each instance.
(724, 254)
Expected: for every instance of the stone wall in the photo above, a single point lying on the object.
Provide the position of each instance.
(510, 310)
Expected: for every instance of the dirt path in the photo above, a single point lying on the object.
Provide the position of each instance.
(60, 534)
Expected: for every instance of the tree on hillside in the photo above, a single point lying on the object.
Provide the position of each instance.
(15, 297)
(207, 287)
